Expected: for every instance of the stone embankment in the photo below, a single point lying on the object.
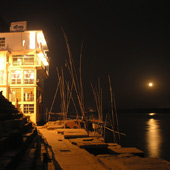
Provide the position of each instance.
(24, 146)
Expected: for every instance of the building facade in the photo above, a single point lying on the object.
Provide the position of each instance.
(23, 68)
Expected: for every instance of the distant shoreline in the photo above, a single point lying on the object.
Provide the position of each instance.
(145, 110)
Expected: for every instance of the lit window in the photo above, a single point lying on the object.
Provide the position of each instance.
(15, 94)
(28, 108)
(28, 94)
(19, 60)
(15, 77)
(29, 77)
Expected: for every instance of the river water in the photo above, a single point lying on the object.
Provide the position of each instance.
(148, 132)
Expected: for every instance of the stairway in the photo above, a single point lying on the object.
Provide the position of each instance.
(21, 147)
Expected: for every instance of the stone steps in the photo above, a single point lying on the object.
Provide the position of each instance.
(6, 107)
(12, 155)
(18, 138)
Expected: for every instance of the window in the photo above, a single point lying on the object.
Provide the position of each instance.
(28, 108)
(15, 77)
(15, 94)
(28, 94)
(23, 60)
(2, 42)
(29, 77)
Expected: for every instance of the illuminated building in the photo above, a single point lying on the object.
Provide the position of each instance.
(23, 68)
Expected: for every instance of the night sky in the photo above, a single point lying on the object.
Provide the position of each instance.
(128, 40)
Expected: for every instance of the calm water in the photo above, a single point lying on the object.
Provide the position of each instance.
(151, 134)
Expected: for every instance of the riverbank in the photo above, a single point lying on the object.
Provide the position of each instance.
(144, 110)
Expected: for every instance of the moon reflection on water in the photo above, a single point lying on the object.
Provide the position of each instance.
(153, 138)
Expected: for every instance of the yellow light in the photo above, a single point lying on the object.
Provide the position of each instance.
(153, 137)
(152, 114)
(32, 40)
(32, 76)
(41, 39)
(43, 59)
(150, 84)
(23, 43)
(2, 64)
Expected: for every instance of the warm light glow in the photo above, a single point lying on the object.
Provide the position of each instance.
(32, 40)
(32, 76)
(2, 64)
(150, 84)
(153, 138)
(23, 43)
(43, 59)
(41, 39)
(152, 114)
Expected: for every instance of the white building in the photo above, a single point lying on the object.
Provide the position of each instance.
(23, 68)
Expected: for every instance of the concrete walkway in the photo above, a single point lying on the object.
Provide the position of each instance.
(68, 156)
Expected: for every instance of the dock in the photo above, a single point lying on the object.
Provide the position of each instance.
(68, 156)
(68, 153)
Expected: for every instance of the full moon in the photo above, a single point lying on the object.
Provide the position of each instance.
(150, 84)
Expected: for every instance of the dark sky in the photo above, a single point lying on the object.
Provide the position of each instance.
(128, 40)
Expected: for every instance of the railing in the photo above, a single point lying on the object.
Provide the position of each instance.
(25, 63)
(32, 63)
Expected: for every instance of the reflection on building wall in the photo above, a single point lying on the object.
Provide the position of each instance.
(153, 138)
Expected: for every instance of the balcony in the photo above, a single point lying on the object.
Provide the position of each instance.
(39, 62)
